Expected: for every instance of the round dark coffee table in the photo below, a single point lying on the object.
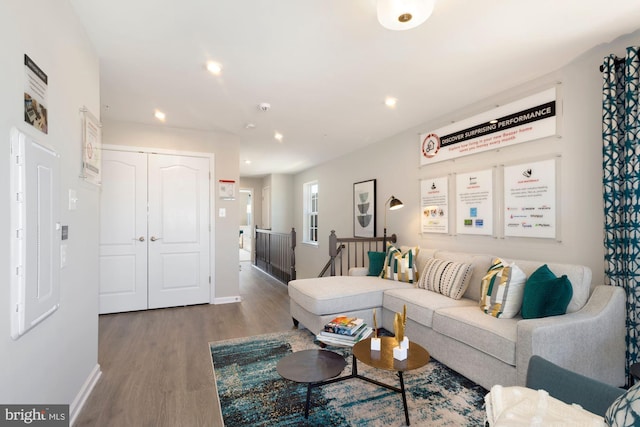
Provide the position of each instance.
(313, 367)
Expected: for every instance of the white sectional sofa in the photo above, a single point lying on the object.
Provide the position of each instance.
(589, 339)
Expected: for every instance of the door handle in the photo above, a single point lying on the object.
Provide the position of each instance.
(141, 238)
(154, 238)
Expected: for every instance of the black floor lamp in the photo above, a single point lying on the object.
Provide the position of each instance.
(394, 204)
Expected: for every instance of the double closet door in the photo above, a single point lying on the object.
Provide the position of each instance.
(154, 231)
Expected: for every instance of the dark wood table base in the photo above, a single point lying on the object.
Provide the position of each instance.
(317, 368)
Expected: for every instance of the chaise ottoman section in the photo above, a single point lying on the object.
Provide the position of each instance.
(316, 301)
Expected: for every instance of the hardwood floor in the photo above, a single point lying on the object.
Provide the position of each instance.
(156, 365)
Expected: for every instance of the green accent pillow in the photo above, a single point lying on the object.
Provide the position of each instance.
(376, 262)
(545, 294)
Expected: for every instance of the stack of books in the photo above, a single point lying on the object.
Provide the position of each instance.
(344, 331)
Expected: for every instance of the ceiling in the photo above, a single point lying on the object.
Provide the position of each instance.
(326, 66)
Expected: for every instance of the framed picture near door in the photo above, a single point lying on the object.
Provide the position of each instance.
(364, 208)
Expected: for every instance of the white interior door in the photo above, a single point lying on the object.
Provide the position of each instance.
(178, 230)
(123, 232)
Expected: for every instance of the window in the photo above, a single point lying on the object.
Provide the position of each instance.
(310, 221)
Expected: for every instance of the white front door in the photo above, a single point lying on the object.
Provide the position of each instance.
(123, 232)
(154, 231)
(178, 230)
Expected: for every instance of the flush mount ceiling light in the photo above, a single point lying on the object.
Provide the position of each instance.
(160, 115)
(390, 102)
(214, 68)
(403, 14)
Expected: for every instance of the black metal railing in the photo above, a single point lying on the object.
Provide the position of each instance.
(275, 253)
(348, 252)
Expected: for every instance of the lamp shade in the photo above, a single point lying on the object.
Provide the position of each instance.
(403, 14)
(395, 204)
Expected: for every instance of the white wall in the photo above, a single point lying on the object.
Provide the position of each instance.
(395, 164)
(224, 261)
(53, 362)
(281, 203)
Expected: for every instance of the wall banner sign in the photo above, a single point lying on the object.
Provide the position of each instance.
(527, 119)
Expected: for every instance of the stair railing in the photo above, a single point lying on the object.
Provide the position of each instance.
(275, 253)
(349, 252)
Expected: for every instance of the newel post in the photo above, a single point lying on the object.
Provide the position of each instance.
(293, 254)
(333, 251)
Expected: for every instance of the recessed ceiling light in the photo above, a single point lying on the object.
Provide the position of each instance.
(278, 136)
(494, 121)
(247, 162)
(390, 102)
(214, 68)
(160, 115)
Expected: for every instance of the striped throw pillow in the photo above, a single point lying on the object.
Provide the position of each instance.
(502, 289)
(446, 277)
(400, 266)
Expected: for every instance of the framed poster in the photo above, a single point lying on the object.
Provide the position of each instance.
(227, 189)
(364, 209)
(91, 148)
(35, 96)
(434, 205)
(530, 199)
(474, 207)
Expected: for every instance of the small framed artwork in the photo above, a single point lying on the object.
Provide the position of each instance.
(227, 189)
(364, 208)
(91, 148)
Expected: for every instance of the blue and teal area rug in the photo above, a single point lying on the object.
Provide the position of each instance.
(253, 394)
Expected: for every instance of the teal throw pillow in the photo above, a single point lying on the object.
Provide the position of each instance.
(376, 262)
(545, 294)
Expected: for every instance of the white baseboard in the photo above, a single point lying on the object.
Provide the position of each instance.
(83, 394)
(226, 300)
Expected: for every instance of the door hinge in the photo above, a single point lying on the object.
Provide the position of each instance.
(209, 279)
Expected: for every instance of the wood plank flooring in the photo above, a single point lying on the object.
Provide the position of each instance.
(156, 365)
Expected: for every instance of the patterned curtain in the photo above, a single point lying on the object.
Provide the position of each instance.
(621, 186)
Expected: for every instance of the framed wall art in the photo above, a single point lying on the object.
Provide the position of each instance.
(364, 208)
(91, 147)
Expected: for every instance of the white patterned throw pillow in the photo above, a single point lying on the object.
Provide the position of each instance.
(625, 410)
(502, 289)
(400, 266)
(448, 278)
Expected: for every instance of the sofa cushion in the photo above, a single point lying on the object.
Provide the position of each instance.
(421, 304)
(400, 266)
(502, 289)
(496, 337)
(480, 264)
(448, 278)
(578, 275)
(545, 294)
(340, 294)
